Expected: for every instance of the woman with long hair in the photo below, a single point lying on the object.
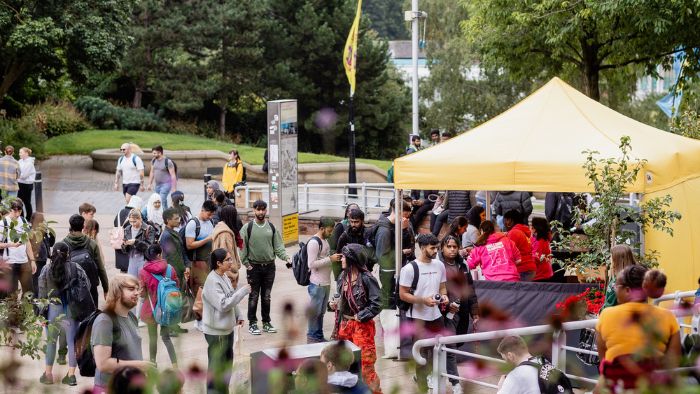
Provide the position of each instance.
(541, 251)
(458, 226)
(233, 173)
(496, 254)
(54, 279)
(42, 240)
(356, 305)
(178, 200)
(227, 234)
(220, 315)
(475, 216)
(621, 257)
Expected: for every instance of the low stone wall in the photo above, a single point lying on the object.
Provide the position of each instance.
(193, 164)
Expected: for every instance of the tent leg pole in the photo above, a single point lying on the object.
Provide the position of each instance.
(398, 247)
(488, 205)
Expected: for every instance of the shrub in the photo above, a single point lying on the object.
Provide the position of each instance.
(54, 119)
(15, 134)
(106, 115)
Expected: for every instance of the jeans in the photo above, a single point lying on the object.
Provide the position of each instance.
(153, 342)
(439, 221)
(67, 325)
(25, 194)
(419, 214)
(163, 190)
(456, 326)
(261, 278)
(220, 362)
(317, 308)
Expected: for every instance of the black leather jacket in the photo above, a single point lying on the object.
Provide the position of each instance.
(367, 296)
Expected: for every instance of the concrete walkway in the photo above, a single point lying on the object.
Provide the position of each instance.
(69, 181)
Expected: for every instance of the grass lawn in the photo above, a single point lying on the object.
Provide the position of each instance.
(87, 141)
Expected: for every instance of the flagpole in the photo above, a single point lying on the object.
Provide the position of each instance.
(352, 175)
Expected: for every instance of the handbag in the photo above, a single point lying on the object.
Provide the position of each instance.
(188, 299)
(198, 305)
(116, 236)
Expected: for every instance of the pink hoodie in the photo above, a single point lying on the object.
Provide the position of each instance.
(498, 259)
(150, 286)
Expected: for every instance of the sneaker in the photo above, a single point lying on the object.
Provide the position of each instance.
(430, 383)
(61, 360)
(253, 329)
(457, 389)
(267, 327)
(45, 379)
(69, 380)
(141, 324)
(179, 329)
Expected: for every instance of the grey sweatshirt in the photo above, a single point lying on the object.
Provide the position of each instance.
(220, 300)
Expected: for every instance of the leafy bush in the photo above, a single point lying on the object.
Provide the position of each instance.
(54, 119)
(105, 115)
(18, 135)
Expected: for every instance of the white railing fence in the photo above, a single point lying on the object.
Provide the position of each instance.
(560, 350)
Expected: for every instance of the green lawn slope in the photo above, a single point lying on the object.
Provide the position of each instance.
(87, 141)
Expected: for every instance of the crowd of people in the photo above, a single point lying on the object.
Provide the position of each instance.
(163, 244)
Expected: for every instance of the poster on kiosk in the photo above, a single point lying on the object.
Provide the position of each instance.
(282, 133)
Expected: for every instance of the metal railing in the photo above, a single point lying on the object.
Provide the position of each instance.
(332, 195)
(559, 347)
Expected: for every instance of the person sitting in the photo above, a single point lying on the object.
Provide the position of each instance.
(522, 379)
(496, 254)
(338, 358)
(635, 338)
(654, 283)
(621, 257)
(475, 216)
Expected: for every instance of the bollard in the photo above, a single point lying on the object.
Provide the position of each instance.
(207, 178)
(38, 196)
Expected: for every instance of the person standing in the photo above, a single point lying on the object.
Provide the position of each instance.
(233, 173)
(541, 250)
(153, 212)
(15, 250)
(9, 172)
(319, 261)
(358, 305)
(25, 182)
(261, 244)
(178, 200)
(430, 292)
(130, 169)
(115, 338)
(520, 235)
(415, 144)
(507, 200)
(121, 259)
(87, 211)
(354, 234)
(227, 234)
(78, 241)
(198, 236)
(42, 240)
(138, 236)
(220, 315)
(163, 174)
(172, 245)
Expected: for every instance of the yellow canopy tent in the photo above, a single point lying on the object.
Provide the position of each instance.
(537, 145)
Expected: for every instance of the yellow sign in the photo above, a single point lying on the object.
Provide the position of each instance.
(290, 229)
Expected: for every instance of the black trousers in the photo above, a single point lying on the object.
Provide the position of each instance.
(261, 277)
(220, 363)
(419, 214)
(25, 194)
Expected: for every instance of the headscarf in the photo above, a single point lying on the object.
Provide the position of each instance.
(154, 215)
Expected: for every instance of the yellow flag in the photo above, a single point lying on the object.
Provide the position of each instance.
(350, 52)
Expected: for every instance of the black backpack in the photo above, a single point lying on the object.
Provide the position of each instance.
(76, 294)
(371, 233)
(83, 258)
(83, 344)
(300, 263)
(166, 165)
(401, 304)
(551, 379)
(197, 229)
(245, 175)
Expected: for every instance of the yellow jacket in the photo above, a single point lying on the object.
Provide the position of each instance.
(233, 174)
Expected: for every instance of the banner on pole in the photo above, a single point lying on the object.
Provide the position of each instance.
(350, 52)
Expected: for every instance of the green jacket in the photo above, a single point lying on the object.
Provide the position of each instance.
(80, 241)
(262, 246)
(610, 295)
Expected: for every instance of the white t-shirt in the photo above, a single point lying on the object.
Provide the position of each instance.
(521, 380)
(431, 276)
(16, 255)
(130, 173)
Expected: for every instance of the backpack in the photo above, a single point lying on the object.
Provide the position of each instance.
(564, 213)
(84, 259)
(550, 379)
(181, 232)
(401, 304)
(245, 174)
(167, 159)
(371, 233)
(169, 300)
(83, 345)
(76, 295)
(300, 263)
(249, 231)
(121, 158)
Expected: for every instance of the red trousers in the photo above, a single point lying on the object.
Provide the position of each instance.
(362, 335)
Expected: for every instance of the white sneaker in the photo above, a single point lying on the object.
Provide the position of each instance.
(430, 383)
(457, 389)
(142, 324)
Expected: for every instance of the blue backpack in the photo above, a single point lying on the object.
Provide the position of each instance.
(168, 308)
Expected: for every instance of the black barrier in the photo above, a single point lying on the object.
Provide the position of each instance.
(38, 193)
(207, 178)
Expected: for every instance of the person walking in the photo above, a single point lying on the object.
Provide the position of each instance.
(178, 200)
(339, 229)
(9, 172)
(496, 254)
(173, 246)
(198, 236)
(42, 240)
(354, 234)
(358, 305)
(227, 234)
(77, 241)
(87, 211)
(319, 262)
(155, 268)
(138, 236)
(115, 337)
(15, 250)
(232, 173)
(130, 169)
(54, 280)
(25, 182)
(163, 174)
(220, 315)
(261, 244)
(121, 259)
(523, 379)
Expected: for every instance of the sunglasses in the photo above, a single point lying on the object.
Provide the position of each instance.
(122, 149)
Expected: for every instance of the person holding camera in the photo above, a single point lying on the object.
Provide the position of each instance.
(426, 298)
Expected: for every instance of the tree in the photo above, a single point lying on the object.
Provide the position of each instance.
(303, 50)
(49, 39)
(386, 18)
(582, 39)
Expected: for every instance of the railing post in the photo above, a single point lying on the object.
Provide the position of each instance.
(437, 369)
(558, 351)
(345, 194)
(207, 178)
(364, 197)
(306, 196)
(38, 193)
(379, 198)
(247, 196)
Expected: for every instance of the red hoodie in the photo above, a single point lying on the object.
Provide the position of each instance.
(520, 235)
(150, 286)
